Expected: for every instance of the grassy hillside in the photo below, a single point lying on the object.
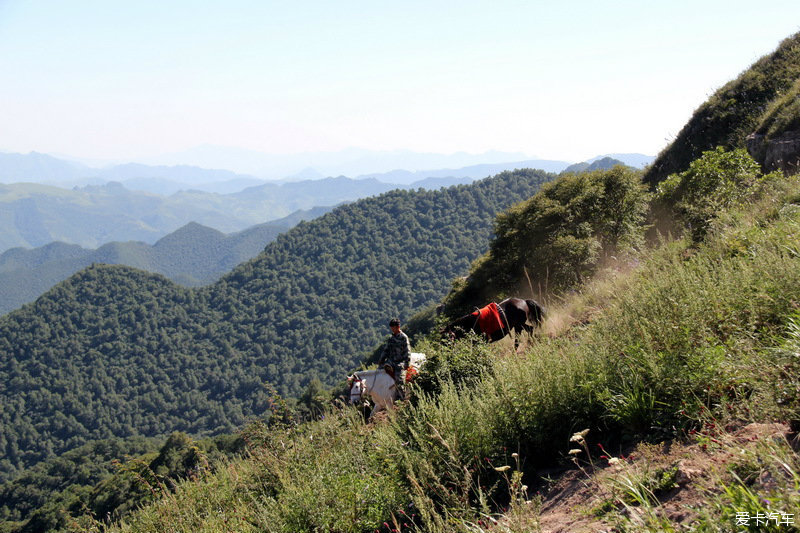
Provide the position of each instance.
(733, 112)
(114, 351)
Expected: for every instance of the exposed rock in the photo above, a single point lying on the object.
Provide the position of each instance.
(778, 153)
(685, 475)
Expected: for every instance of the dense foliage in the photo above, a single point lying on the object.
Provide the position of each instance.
(106, 479)
(557, 238)
(735, 111)
(713, 183)
(192, 255)
(62, 481)
(115, 351)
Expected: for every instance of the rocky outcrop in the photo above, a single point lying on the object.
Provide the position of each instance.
(777, 153)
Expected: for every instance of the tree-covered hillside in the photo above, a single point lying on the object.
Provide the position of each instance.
(193, 255)
(33, 215)
(114, 351)
(558, 238)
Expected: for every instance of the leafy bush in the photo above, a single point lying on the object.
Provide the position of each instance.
(713, 183)
(462, 364)
(560, 236)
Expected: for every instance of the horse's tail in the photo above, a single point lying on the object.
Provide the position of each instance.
(535, 312)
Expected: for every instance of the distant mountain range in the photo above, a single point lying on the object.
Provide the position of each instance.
(45, 169)
(191, 256)
(169, 179)
(473, 171)
(150, 202)
(310, 165)
(32, 215)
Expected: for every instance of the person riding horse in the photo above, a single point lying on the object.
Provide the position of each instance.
(396, 354)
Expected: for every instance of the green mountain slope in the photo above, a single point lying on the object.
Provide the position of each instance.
(114, 351)
(682, 353)
(732, 113)
(192, 255)
(33, 215)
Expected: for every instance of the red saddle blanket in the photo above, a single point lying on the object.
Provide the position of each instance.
(489, 318)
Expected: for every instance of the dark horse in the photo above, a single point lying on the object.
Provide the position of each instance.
(514, 315)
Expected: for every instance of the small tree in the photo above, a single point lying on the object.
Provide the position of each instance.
(713, 183)
(315, 398)
(560, 235)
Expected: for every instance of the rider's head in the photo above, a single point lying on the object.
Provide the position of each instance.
(394, 324)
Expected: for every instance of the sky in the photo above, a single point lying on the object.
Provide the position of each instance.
(112, 80)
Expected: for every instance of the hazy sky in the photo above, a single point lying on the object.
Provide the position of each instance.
(560, 80)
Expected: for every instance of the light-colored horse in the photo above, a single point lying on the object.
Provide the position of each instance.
(379, 385)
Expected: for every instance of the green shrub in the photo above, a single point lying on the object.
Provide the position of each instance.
(559, 237)
(463, 364)
(713, 183)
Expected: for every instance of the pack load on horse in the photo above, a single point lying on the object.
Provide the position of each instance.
(495, 321)
(380, 385)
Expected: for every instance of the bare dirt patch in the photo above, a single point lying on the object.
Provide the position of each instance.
(589, 499)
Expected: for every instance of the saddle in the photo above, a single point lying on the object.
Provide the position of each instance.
(489, 319)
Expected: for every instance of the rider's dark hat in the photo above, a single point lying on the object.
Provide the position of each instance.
(394, 322)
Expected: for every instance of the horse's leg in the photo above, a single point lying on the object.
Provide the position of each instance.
(518, 329)
(528, 329)
(496, 336)
(377, 409)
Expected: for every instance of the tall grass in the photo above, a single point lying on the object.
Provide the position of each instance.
(328, 475)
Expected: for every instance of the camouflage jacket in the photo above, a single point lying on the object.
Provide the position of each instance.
(397, 350)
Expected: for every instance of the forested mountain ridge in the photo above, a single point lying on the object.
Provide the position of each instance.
(379, 259)
(192, 255)
(114, 351)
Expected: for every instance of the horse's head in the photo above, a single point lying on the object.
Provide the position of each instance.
(458, 328)
(358, 387)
